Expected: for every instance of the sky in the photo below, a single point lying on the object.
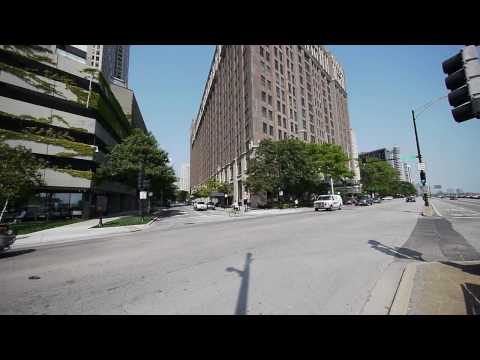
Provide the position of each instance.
(384, 84)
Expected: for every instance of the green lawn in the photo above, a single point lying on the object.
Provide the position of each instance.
(129, 220)
(28, 227)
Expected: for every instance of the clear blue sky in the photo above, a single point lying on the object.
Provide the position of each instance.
(383, 82)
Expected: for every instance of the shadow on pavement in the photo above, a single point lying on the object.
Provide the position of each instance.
(242, 301)
(471, 293)
(399, 252)
(15, 253)
(169, 213)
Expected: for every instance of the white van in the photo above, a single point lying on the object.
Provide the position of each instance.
(328, 202)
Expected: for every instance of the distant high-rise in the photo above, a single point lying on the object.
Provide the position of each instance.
(390, 156)
(184, 178)
(112, 60)
(356, 168)
(407, 170)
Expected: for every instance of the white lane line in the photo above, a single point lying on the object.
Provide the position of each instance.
(436, 210)
(466, 217)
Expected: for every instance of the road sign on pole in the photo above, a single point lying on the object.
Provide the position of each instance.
(408, 157)
(143, 195)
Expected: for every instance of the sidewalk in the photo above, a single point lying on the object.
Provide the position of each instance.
(439, 288)
(78, 231)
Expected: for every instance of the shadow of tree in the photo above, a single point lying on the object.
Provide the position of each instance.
(242, 300)
(399, 252)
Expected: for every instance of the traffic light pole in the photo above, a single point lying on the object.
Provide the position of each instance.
(423, 177)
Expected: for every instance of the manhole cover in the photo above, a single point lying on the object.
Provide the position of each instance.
(34, 277)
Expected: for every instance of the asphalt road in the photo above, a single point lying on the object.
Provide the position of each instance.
(304, 263)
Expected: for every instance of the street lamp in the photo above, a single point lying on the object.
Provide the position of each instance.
(423, 175)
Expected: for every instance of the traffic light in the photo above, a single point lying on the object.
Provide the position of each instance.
(423, 177)
(463, 80)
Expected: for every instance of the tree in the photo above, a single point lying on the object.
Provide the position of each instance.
(212, 185)
(295, 167)
(330, 160)
(139, 152)
(263, 170)
(379, 176)
(182, 195)
(19, 173)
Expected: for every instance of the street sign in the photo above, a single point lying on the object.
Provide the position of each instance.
(408, 157)
(143, 195)
(421, 166)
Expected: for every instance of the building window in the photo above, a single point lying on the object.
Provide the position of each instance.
(269, 99)
(271, 130)
(279, 119)
(264, 111)
(278, 106)
(267, 56)
(270, 115)
(264, 96)
(279, 135)
(264, 128)
(263, 80)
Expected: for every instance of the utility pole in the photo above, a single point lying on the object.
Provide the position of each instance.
(423, 177)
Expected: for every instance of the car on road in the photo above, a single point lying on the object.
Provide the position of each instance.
(200, 205)
(377, 200)
(410, 199)
(387, 198)
(328, 202)
(7, 237)
(365, 201)
(210, 206)
(453, 198)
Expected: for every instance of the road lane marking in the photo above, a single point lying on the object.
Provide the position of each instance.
(435, 208)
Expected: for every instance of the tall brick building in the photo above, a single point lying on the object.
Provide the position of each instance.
(255, 92)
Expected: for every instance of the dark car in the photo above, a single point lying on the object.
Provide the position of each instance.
(7, 237)
(210, 206)
(410, 199)
(364, 201)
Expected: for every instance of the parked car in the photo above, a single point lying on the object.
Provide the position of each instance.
(364, 201)
(377, 200)
(410, 199)
(328, 202)
(7, 237)
(387, 198)
(210, 206)
(200, 205)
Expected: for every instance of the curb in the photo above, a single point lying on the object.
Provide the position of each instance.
(404, 291)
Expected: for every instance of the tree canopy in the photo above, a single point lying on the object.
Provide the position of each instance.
(295, 167)
(139, 151)
(19, 172)
(212, 185)
(380, 177)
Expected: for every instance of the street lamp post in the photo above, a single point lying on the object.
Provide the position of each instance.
(423, 177)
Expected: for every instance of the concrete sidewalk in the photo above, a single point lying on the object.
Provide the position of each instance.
(78, 231)
(439, 288)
